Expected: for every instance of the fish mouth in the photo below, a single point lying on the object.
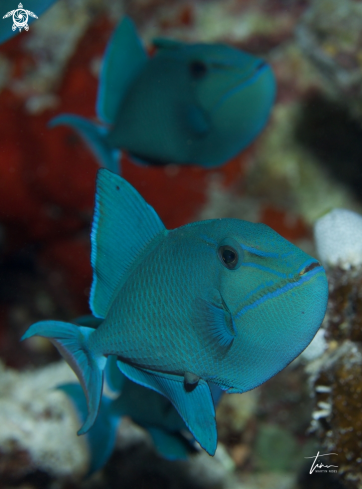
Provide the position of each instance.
(242, 83)
(310, 267)
(303, 275)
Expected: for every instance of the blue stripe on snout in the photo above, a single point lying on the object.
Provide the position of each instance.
(276, 293)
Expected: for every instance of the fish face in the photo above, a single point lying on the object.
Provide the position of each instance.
(276, 296)
(236, 90)
(243, 110)
(230, 90)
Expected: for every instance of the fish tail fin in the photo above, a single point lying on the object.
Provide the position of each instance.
(72, 343)
(101, 437)
(95, 137)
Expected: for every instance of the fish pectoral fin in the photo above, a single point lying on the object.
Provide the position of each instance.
(195, 407)
(214, 318)
(197, 120)
(124, 59)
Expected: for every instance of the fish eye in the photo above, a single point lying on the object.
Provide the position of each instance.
(228, 256)
(198, 69)
(230, 253)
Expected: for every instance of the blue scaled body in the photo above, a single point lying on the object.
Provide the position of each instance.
(223, 301)
(188, 104)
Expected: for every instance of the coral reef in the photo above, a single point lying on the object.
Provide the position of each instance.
(335, 377)
(38, 425)
(338, 237)
(38, 436)
(329, 33)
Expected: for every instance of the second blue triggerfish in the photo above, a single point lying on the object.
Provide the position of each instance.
(188, 104)
(222, 301)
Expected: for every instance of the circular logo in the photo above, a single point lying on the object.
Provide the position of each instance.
(20, 18)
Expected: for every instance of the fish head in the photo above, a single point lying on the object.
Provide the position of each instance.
(275, 295)
(234, 88)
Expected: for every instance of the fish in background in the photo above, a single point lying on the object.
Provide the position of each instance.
(195, 104)
(144, 406)
(221, 301)
(36, 7)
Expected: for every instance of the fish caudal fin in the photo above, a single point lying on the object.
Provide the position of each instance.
(101, 437)
(95, 137)
(123, 226)
(196, 407)
(72, 343)
(124, 58)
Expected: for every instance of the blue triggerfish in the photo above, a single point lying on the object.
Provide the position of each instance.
(146, 407)
(188, 104)
(223, 301)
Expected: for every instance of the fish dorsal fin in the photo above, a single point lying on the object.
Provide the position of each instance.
(125, 56)
(195, 407)
(123, 225)
(164, 43)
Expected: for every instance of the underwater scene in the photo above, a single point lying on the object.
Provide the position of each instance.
(181, 244)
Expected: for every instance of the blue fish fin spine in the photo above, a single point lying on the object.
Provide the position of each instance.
(72, 343)
(95, 136)
(124, 225)
(124, 58)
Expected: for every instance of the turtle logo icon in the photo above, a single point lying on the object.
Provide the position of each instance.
(20, 17)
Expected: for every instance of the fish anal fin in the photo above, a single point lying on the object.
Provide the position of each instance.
(195, 407)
